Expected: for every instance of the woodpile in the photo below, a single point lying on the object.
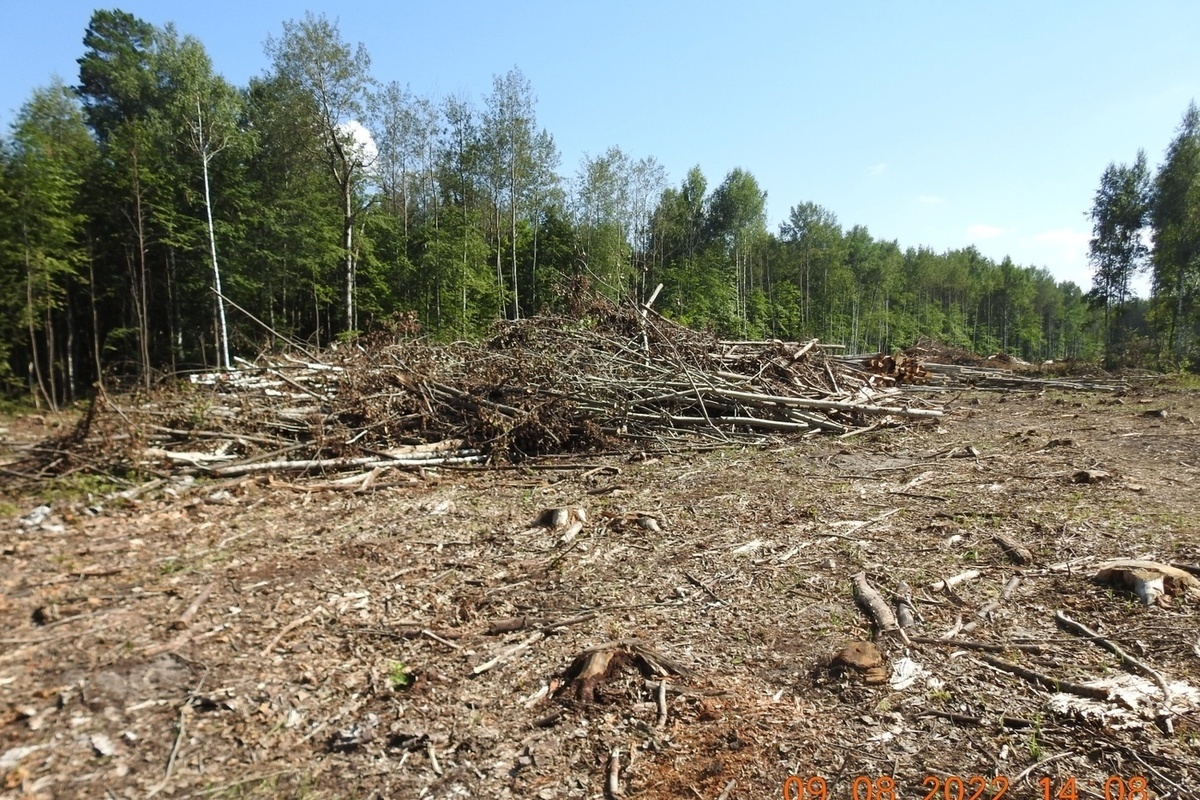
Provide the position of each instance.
(940, 367)
(898, 367)
(618, 378)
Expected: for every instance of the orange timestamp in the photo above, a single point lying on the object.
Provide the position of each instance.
(955, 787)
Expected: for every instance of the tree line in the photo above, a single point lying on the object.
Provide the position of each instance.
(1149, 222)
(155, 218)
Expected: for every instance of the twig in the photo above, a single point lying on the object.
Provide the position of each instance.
(174, 752)
(728, 788)
(175, 747)
(1079, 629)
(919, 495)
(614, 773)
(1041, 763)
(285, 339)
(433, 759)
(291, 626)
(505, 654)
(1045, 681)
(697, 582)
(662, 704)
(185, 619)
(90, 572)
(1137, 757)
(165, 647)
(44, 639)
(562, 623)
(55, 624)
(225, 787)
(988, 647)
(566, 551)
(436, 638)
(849, 534)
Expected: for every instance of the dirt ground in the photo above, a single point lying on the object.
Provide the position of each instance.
(339, 644)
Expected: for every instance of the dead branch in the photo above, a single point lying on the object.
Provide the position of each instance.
(1014, 550)
(873, 603)
(1045, 681)
(1128, 661)
(949, 583)
(185, 619)
(508, 653)
(966, 719)
(985, 611)
(291, 626)
(632, 376)
(988, 647)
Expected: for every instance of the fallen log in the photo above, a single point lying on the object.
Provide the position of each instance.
(337, 464)
(873, 603)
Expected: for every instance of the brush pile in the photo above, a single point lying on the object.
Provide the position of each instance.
(617, 378)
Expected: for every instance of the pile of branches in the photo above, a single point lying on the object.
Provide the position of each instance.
(617, 378)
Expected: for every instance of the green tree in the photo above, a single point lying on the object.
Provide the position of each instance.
(1117, 250)
(119, 89)
(1175, 219)
(336, 80)
(814, 232)
(510, 133)
(736, 222)
(677, 237)
(602, 218)
(464, 185)
(51, 151)
(292, 222)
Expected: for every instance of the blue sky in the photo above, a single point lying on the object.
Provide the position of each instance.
(932, 123)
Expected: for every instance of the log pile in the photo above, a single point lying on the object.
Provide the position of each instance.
(958, 376)
(617, 378)
(901, 368)
(934, 367)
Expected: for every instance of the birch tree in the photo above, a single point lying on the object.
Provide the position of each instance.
(1118, 250)
(312, 55)
(517, 153)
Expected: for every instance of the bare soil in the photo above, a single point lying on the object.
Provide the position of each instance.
(335, 648)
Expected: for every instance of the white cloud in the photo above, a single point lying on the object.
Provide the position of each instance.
(930, 200)
(364, 142)
(980, 231)
(877, 169)
(1066, 238)
(1064, 251)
